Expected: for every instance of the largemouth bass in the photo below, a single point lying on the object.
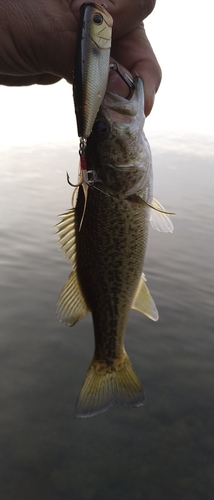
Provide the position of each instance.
(107, 253)
(91, 69)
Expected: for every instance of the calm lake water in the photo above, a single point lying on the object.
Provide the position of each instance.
(162, 451)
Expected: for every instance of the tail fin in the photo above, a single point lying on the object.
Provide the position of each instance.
(106, 385)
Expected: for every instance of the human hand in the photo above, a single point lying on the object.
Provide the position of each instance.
(132, 49)
(38, 42)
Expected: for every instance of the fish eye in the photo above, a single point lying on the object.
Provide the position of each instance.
(101, 129)
(98, 19)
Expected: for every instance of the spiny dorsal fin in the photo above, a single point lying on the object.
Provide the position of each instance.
(71, 306)
(66, 233)
(143, 302)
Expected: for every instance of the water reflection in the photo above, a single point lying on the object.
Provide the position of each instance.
(161, 451)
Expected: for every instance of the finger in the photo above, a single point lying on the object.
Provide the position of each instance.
(151, 76)
(116, 83)
(18, 81)
(149, 70)
(127, 14)
(135, 53)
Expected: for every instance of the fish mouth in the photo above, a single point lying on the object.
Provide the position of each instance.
(122, 112)
(123, 77)
(124, 106)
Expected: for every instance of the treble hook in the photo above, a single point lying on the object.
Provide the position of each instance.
(126, 78)
(89, 177)
(73, 185)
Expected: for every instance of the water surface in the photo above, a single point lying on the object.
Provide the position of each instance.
(161, 451)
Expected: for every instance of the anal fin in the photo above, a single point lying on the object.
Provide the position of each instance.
(143, 302)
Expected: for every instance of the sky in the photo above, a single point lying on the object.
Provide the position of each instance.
(181, 33)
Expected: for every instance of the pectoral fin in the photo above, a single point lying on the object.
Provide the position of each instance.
(159, 218)
(143, 302)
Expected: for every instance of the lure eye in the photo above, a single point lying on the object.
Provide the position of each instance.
(101, 129)
(98, 19)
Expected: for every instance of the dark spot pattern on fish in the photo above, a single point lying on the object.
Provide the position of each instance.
(110, 255)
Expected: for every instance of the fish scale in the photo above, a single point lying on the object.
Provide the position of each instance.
(110, 253)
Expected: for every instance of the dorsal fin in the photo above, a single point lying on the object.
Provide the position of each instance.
(66, 233)
(71, 306)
